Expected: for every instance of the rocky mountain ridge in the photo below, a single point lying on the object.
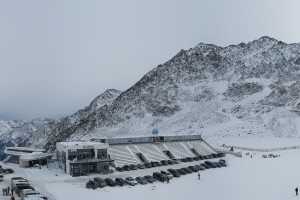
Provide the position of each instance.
(248, 88)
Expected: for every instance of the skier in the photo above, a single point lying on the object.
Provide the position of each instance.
(12, 198)
(198, 176)
(296, 190)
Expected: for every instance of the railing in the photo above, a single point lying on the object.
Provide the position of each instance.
(91, 160)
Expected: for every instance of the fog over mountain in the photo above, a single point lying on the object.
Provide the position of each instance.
(55, 56)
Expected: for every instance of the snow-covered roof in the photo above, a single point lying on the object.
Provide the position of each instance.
(80, 145)
(19, 151)
(25, 149)
(34, 156)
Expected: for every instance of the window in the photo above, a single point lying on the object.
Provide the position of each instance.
(102, 154)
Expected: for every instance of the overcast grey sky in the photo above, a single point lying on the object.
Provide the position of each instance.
(57, 55)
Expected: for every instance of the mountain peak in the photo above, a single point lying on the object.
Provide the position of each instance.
(267, 38)
(105, 98)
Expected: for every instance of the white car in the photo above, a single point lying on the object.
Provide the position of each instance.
(27, 194)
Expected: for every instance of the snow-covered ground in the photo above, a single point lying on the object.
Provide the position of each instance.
(245, 178)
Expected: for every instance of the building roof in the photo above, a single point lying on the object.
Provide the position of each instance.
(80, 145)
(34, 156)
(18, 151)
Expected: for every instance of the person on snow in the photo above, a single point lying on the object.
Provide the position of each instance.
(296, 190)
(198, 176)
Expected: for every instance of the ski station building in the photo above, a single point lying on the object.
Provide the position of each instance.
(27, 157)
(82, 158)
(97, 155)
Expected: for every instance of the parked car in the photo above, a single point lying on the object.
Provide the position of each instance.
(141, 180)
(193, 168)
(211, 164)
(99, 182)
(110, 182)
(133, 167)
(189, 159)
(120, 181)
(126, 168)
(130, 181)
(150, 179)
(1, 177)
(8, 171)
(222, 163)
(182, 171)
(14, 179)
(160, 177)
(148, 165)
(174, 172)
(196, 158)
(169, 176)
(206, 166)
(164, 162)
(26, 193)
(187, 170)
(140, 166)
(119, 169)
(19, 187)
(91, 185)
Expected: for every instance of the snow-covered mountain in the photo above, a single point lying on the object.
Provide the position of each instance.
(248, 88)
(36, 132)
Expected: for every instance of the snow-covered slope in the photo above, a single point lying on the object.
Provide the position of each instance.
(244, 89)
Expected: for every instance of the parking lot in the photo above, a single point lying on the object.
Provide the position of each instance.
(159, 175)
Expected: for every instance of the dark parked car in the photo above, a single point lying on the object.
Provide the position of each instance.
(160, 177)
(205, 166)
(110, 182)
(174, 172)
(211, 164)
(193, 168)
(133, 167)
(189, 159)
(119, 169)
(141, 180)
(182, 171)
(126, 168)
(130, 181)
(164, 162)
(199, 167)
(8, 171)
(155, 164)
(196, 158)
(187, 170)
(140, 166)
(171, 162)
(101, 183)
(91, 185)
(183, 160)
(120, 181)
(167, 174)
(222, 163)
(150, 179)
(148, 165)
